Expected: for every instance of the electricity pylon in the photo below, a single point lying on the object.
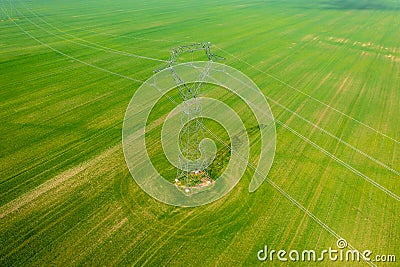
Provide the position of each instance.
(192, 132)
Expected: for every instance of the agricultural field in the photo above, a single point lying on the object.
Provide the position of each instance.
(330, 71)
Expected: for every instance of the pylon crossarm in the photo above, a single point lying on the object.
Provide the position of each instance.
(175, 52)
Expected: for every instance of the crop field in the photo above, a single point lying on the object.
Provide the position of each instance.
(330, 71)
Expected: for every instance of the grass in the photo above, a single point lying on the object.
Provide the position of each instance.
(66, 195)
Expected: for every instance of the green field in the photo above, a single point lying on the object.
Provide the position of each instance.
(330, 71)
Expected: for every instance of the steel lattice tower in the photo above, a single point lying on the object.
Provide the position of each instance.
(192, 132)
